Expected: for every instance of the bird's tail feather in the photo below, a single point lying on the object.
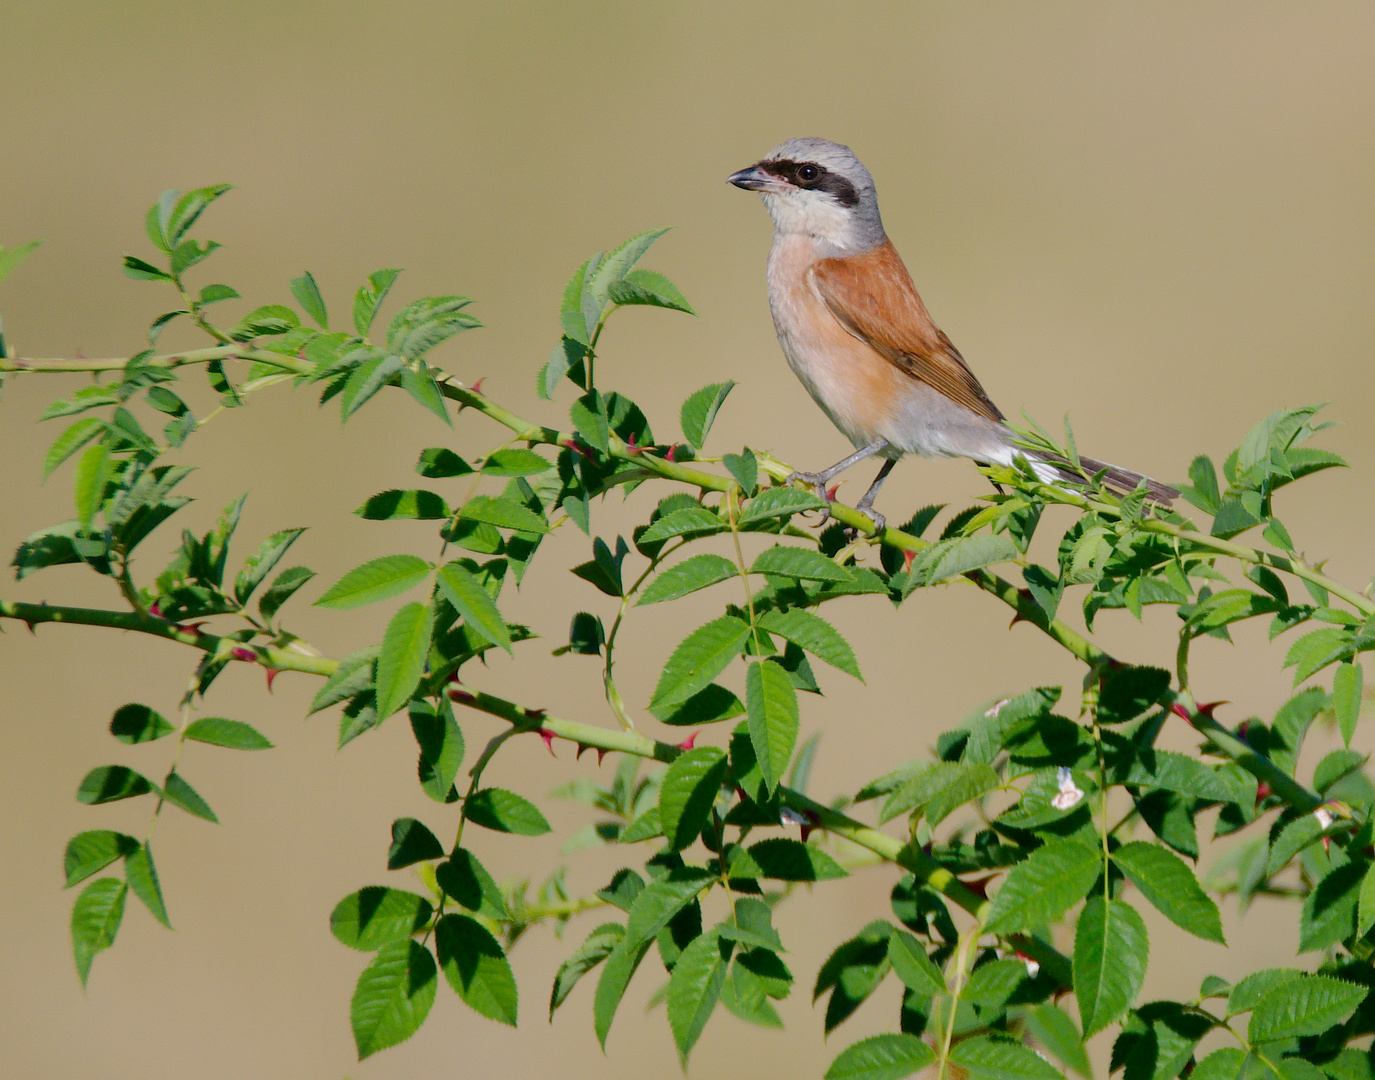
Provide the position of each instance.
(1118, 481)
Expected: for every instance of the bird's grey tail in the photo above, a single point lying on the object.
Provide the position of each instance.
(1118, 481)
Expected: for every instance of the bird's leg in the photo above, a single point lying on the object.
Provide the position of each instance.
(866, 505)
(817, 481)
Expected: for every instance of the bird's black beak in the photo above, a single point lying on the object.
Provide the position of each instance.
(755, 178)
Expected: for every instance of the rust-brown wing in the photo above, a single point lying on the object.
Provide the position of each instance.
(873, 297)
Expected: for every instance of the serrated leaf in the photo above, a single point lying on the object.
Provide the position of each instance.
(882, 1057)
(696, 572)
(138, 724)
(649, 287)
(233, 734)
(687, 792)
(70, 441)
(378, 579)
(694, 989)
(366, 380)
(375, 916)
(393, 996)
(142, 876)
(913, 966)
(660, 901)
(806, 564)
(465, 879)
(441, 749)
(698, 412)
(260, 563)
(698, 659)
(1249, 991)
(1056, 1031)
(969, 783)
(423, 324)
(1347, 689)
(408, 505)
(771, 706)
(504, 513)
(93, 470)
(853, 971)
(476, 967)
(785, 859)
(370, 296)
(515, 461)
(281, 590)
(1315, 650)
(620, 965)
(815, 634)
(1329, 910)
(307, 294)
(1227, 1063)
(779, 502)
(10, 258)
(1128, 691)
(405, 647)
(618, 263)
(1365, 910)
(420, 384)
(411, 842)
(1306, 1006)
(92, 851)
(110, 783)
(950, 558)
(986, 1058)
(1110, 955)
(1168, 883)
(96, 916)
(689, 521)
(179, 793)
(461, 588)
(505, 811)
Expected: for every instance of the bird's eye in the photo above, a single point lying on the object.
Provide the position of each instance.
(808, 173)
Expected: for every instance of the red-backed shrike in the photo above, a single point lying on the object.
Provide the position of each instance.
(856, 333)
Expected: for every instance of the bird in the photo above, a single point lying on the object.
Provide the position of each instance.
(856, 333)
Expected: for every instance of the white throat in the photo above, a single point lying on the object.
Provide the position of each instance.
(835, 230)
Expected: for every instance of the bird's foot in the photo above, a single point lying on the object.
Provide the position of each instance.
(880, 523)
(817, 482)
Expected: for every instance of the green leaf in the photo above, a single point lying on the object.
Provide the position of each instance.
(649, 287)
(1249, 991)
(96, 916)
(466, 880)
(70, 441)
(1306, 1006)
(282, 589)
(140, 270)
(213, 294)
(1042, 887)
(779, 502)
(696, 572)
(1329, 910)
(771, 705)
(376, 916)
(92, 474)
(1365, 910)
(686, 795)
(504, 513)
(698, 659)
(853, 971)
(179, 793)
(366, 380)
(1055, 1030)
(695, 987)
(710, 705)
(461, 588)
(476, 967)
(986, 1058)
(437, 463)
(745, 468)
(587, 956)
(699, 412)
(796, 562)
(425, 391)
(1110, 954)
(1129, 691)
(420, 326)
(10, 258)
(111, 782)
(260, 563)
(138, 724)
(620, 965)
(950, 558)
(913, 966)
(617, 264)
(1228, 1063)
(1347, 688)
(660, 901)
(411, 842)
(370, 296)
(90, 852)
(307, 294)
(405, 646)
(441, 749)
(505, 811)
(174, 221)
(690, 521)
(407, 505)
(785, 859)
(142, 876)
(1168, 883)
(1311, 653)
(378, 579)
(815, 634)
(971, 782)
(393, 996)
(515, 461)
(233, 734)
(882, 1057)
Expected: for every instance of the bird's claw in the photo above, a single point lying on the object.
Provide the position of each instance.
(817, 482)
(880, 523)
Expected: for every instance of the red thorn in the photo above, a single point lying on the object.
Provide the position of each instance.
(601, 755)
(686, 744)
(246, 655)
(272, 673)
(476, 388)
(1243, 730)
(805, 832)
(741, 793)
(536, 714)
(155, 611)
(1207, 708)
(1262, 792)
(572, 444)
(631, 448)
(672, 454)
(1179, 710)
(31, 627)
(548, 737)
(582, 747)
(831, 492)
(979, 886)
(1327, 843)
(459, 694)
(907, 559)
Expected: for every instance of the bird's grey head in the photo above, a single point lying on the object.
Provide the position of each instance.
(817, 188)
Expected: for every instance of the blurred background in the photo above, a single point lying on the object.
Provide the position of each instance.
(1158, 218)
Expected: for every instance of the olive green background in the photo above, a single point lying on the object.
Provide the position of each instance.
(1157, 217)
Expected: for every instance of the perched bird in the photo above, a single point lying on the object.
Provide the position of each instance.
(856, 333)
